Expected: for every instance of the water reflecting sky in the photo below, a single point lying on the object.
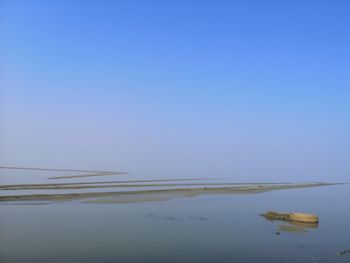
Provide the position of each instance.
(221, 228)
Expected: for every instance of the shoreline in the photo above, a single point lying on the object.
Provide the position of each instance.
(94, 185)
(157, 195)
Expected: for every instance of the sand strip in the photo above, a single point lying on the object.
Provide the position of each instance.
(82, 186)
(140, 195)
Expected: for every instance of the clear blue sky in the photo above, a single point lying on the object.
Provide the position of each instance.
(240, 89)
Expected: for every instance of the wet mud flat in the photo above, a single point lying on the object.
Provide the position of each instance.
(102, 218)
(154, 195)
(125, 191)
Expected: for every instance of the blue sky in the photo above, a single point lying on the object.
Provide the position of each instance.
(239, 89)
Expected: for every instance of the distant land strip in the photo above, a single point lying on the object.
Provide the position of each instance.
(53, 169)
(91, 173)
(159, 194)
(120, 185)
(2, 187)
(88, 175)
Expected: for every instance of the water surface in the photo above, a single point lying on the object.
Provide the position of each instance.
(206, 228)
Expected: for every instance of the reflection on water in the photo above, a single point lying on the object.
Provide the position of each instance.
(291, 226)
(206, 228)
(125, 191)
(292, 229)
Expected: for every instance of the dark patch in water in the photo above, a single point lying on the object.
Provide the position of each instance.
(200, 218)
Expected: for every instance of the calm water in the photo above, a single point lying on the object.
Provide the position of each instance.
(224, 228)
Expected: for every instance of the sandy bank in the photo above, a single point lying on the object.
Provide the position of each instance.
(155, 195)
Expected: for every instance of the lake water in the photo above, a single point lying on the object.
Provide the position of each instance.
(206, 228)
